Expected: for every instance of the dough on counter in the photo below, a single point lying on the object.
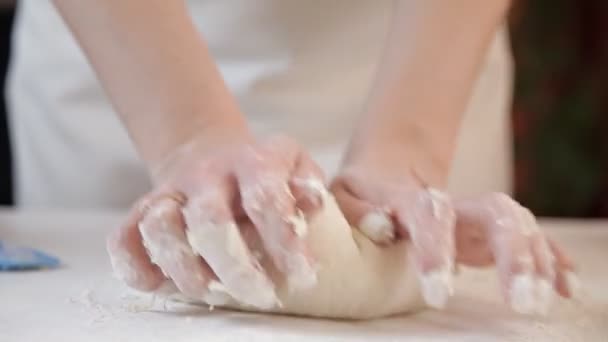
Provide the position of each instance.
(357, 279)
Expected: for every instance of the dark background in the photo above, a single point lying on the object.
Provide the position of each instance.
(6, 21)
(560, 109)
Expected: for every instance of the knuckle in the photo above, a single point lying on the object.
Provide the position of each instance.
(252, 158)
(500, 203)
(543, 250)
(267, 193)
(254, 198)
(255, 164)
(433, 208)
(499, 198)
(308, 168)
(281, 141)
(528, 218)
(155, 225)
(210, 166)
(523, 262)
(501, 209)
(441, 207)
(165, 209)
(203, 208)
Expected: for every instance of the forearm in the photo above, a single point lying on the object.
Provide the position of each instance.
(156, 69)
(424, 80)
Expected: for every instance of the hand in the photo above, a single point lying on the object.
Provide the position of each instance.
(491, 229)
(387, 208)
(494, 229)
(186, 230)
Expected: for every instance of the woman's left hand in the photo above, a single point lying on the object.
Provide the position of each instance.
(490, 229)
(387, 209)
(493, 229)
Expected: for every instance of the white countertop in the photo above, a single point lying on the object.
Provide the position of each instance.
(82, 302)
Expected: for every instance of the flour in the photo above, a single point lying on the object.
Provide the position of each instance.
(530, 294)
(439, 203)
(299, 225)
(315, 185)
(521, 293)
(583, 319)
(100, 312)
(437, 287)
(378, 226)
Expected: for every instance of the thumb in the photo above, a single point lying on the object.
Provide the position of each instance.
(374, 222)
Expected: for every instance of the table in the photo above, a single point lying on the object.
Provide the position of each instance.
(82, 302)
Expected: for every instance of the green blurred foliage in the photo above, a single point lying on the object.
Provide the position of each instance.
(560, 109)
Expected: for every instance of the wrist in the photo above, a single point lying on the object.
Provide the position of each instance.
(409, 154)
(188, 149)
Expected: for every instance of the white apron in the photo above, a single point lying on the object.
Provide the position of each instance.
(298, 67)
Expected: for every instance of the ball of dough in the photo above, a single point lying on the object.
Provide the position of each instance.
(357, 279)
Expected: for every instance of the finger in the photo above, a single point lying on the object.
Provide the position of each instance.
(543, 261)
(307, 184)
(271, 208)
(567, 282)
(268, 202)
(544, 264)
(428, 217)
(514, 261)
(306, 179)
(163, 232)
(129, 258)
(373, 222)
(520, 262)
(515, 266)
(213, 234)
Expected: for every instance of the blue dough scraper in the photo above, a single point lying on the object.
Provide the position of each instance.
(15, 258)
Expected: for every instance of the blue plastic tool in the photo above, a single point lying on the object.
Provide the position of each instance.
(15, 258)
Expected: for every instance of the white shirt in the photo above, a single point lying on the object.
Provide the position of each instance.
(298, 67)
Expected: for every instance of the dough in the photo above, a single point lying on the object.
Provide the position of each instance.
(357, 279)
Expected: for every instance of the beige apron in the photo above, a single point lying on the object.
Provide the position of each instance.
(298, 67)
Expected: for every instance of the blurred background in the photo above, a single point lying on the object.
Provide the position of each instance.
(560, 107)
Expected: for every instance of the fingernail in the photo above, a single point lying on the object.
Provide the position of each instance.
(574, 283)
(437, 287)
(544, 296)
(378, 227)
(521, 294)
(314, 185)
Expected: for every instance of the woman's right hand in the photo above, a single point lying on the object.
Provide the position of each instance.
(187, 229)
